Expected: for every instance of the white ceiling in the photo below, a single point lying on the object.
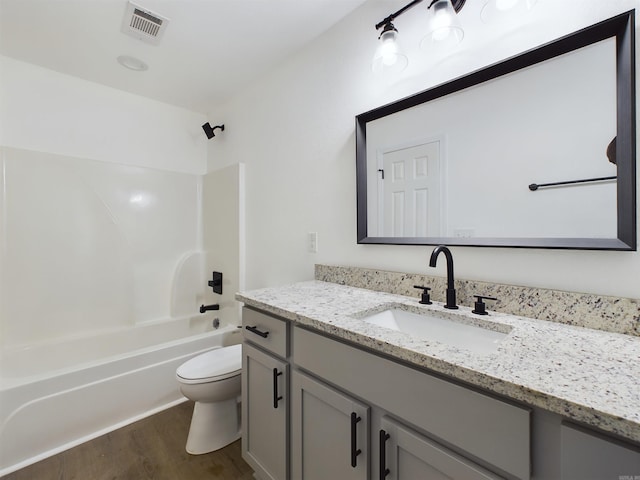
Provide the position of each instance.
(210, 50)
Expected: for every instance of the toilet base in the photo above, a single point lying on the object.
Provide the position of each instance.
(213, 426)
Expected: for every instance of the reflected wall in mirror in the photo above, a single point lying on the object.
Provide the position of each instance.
(466, 163)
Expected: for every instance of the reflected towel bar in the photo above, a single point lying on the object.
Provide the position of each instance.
(535, 186)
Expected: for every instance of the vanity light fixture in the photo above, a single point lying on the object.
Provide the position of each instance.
(444, 29)
(209, 130)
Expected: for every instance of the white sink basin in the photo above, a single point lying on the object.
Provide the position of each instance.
(430, 326)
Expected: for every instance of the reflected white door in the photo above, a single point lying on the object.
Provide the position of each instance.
(411, 191)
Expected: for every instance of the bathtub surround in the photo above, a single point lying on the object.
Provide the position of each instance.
(92, 246)
(600, 312)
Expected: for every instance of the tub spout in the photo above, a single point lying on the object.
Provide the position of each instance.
(206, 308)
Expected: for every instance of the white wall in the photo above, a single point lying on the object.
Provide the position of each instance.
(47, 111)
(294, 130)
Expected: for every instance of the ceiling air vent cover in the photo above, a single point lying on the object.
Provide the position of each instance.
(144, 24)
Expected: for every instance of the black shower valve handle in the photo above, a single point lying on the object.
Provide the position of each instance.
(216, 282)
(425, 298)
(479, 307)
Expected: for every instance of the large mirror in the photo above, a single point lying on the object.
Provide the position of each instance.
(535, 151)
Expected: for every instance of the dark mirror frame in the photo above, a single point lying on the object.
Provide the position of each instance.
(622, 28)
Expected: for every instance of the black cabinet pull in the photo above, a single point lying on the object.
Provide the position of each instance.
(384, 471)
(276, 397)
(355, 451)
(257, 332)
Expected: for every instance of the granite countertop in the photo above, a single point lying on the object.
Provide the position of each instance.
(587, 375)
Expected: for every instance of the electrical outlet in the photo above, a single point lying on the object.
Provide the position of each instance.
(313, 242)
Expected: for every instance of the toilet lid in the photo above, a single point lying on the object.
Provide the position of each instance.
(213, 365)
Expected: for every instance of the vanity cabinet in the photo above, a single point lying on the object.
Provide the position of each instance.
(316, 407)
(331, 438)
(265, 395)
(330, 432)
(454, 428)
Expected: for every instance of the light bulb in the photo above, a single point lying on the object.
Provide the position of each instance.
(388, 56)
(444, 29)
(441, 19)
(389, 48)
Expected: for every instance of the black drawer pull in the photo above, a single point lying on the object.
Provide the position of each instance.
(257, 332)
(384, 471)
(276, 397)
(355, 451)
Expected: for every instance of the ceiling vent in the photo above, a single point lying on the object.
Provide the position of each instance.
(144, 24)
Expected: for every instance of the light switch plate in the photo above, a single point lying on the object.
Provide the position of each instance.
(313, 242)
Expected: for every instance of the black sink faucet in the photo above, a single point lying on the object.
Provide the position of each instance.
(451, 291)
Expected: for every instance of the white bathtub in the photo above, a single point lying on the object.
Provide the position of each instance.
(54, 396)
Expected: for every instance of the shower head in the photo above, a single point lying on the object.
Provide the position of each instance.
(208, 129)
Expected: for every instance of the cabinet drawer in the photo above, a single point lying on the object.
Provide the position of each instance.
(487, 428)
(265, 330)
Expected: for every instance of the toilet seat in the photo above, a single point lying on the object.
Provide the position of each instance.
(212, 366)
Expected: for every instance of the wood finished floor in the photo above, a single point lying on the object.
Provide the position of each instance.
(150, 449)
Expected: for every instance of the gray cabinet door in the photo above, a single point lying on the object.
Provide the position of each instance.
(329, 430)
(586, 455)
(264, 413)
(407, 455)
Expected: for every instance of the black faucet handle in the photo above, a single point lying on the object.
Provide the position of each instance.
(479, 307)
(425, 299)
(216, 282)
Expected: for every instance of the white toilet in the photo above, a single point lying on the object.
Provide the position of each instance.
(212, 380)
